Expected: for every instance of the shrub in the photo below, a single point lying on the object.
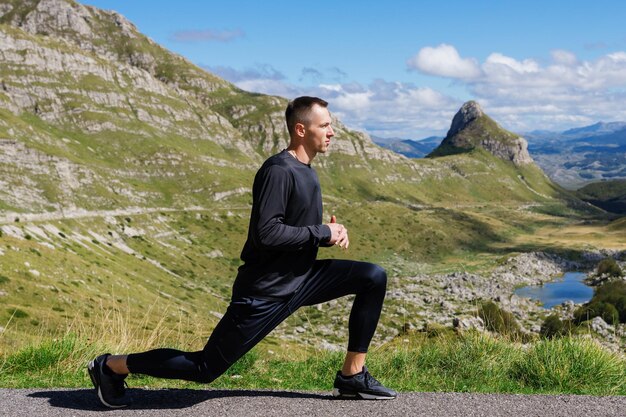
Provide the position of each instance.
(609, 266)
(498, 320)
(552, 327)
(589, 311)
(607, 311)
(608, 302)
(610, 292)
(609, 314)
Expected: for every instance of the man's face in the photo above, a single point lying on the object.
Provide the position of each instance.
(319, 131)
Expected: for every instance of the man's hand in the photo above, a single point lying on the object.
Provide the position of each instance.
(338, 234)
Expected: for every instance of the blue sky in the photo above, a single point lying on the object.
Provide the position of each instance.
(403, 68)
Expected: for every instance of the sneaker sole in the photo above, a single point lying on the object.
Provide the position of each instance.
(338, 394)
(91, 368)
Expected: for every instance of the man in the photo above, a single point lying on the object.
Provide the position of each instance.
(279, 274)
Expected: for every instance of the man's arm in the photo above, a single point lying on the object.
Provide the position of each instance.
(272, 189)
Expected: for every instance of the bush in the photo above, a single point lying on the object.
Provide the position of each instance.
(610, 292)
(609, 314)
(609, 266)
(552, 327)
(498, 320)
(608, 302)
(587, 312)
(607, 311)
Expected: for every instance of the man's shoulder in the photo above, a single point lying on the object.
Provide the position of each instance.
(276, 167)
(278, 160)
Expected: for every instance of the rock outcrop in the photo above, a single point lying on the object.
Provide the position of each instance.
(87, 86)
(472, 128)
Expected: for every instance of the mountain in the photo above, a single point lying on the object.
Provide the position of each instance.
(409, 147)
(600, 128)
(580, 156)
(471, 128)
(609, 195)
(125, 175)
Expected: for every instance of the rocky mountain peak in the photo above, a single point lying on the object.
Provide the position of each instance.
(469, 112)
(472, 128)
(65, 19)
(55, 16)
(111, 37)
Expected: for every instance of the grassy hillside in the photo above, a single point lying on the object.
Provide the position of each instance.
(125, 177)
(608, 195)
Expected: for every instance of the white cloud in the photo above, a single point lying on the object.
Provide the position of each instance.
(385, 108)
(444, 61)
(521, 67)
(526, 94)
(560, 56)
(501, 70)
(271, 87)
(381, 108)
(331, 87)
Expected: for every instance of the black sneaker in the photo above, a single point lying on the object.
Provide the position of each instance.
(111, 389)
(362, 385)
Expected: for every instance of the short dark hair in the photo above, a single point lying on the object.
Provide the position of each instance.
(299, 109)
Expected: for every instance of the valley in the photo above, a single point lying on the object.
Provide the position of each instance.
(125, 175)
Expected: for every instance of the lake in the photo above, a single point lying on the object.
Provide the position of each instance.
(569, 287)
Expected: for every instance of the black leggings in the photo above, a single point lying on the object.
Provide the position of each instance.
(248, 320)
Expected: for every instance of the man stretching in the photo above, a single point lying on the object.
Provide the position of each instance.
(279, 275)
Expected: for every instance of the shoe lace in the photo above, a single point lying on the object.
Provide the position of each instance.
(370, 381)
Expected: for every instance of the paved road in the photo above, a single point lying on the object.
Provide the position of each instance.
(187, 402)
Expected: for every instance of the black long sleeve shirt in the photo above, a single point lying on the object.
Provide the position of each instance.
(285, 229)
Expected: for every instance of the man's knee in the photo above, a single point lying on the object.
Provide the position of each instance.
(377, 277)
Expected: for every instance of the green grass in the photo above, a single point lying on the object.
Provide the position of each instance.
(471, 362)
(453, 213)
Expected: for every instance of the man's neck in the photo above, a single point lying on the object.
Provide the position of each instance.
(300, 154)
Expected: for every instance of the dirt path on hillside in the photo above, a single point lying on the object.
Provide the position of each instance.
(11, 217)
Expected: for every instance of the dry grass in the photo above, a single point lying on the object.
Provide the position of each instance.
(576, 236)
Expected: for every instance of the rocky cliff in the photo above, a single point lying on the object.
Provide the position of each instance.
(472, 128)
(110, 118)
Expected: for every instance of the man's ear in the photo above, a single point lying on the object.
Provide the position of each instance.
(300, 130)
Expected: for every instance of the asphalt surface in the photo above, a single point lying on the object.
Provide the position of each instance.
(188, 402)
